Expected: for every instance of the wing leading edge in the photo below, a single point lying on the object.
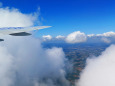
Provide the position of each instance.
(12, 30)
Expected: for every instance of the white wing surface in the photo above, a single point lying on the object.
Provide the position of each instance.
(18, 30)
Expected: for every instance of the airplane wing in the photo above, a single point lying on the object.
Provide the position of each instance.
(19, 31)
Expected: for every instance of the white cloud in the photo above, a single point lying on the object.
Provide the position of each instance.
(76, 37)
(107, 34)
(91, 35)
(106, 40)
(12, 17)
(6, 67)
(25, 63)
(47, 37)
(60, 37)
(99, 71)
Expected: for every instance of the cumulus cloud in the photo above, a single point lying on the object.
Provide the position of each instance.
(12, 17)
(47, 37)
(76, 37)
(108, 37)
(99, 71)
(60, 37)
(107, 34)
(91, 35)
(25, 63)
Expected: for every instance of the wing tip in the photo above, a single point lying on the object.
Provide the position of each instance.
(46, 26)
(42, 27)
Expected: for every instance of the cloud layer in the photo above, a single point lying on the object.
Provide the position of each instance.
(80, 37)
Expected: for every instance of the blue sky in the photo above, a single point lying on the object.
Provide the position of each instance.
(66, 16)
